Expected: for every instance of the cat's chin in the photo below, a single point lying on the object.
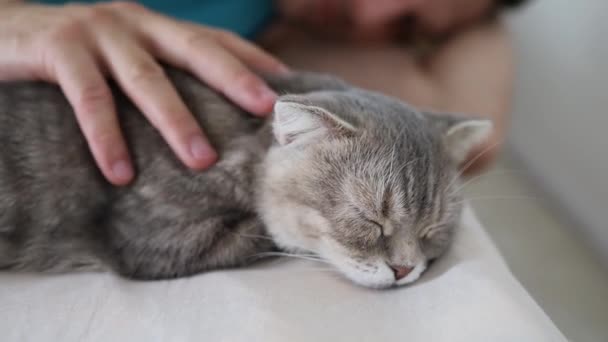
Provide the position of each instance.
(413, 275)
(372, 273)
(382, 278)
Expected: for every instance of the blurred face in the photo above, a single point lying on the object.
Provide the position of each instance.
(380, 19)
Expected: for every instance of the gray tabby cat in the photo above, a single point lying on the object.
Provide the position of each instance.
(360, 179)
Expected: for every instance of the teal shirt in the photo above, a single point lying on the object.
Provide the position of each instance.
(244, 17)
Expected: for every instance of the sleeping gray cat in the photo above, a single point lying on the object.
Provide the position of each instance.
(362, 180)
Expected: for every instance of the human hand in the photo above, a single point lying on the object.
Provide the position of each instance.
(76, 45)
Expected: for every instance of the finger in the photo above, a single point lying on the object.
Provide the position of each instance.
(77, 72)
(222, 71)
(145, 82)
(198, 52)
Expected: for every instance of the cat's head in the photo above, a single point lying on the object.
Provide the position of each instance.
(366, 182)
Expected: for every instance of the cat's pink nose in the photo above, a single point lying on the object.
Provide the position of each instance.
(401, 271)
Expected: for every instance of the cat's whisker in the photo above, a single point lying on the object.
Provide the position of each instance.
(309, 257)
(254, 236)
(473, 160)
(478, 177)
(515, 197)
(431, 227)
(316, 269)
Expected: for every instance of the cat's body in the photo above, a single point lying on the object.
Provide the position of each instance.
(57, 213)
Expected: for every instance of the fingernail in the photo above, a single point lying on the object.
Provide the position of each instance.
(122, 170)
(200, 149)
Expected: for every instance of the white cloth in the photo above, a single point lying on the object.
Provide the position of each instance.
(469, 295)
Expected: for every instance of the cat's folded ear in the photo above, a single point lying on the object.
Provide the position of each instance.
(460, 134)
(298, 124)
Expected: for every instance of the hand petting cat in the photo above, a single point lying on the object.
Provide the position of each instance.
(76, 45)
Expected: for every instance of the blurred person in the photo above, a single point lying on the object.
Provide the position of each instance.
(445, 55)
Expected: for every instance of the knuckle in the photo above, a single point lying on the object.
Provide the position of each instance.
(93, 97)
(69, 28)
(176, 121)
(243, 79)
(129, 6)
(98, 15)
(103, 137)
(225, 36)
(196, 40)
(146, 71)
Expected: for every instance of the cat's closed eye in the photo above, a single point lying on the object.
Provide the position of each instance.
(430, 231)
(377, 225)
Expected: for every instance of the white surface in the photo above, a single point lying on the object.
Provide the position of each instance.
(560, 122)
(547, 256)
(467, 296)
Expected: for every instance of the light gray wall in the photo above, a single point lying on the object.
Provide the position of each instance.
(560, 114)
